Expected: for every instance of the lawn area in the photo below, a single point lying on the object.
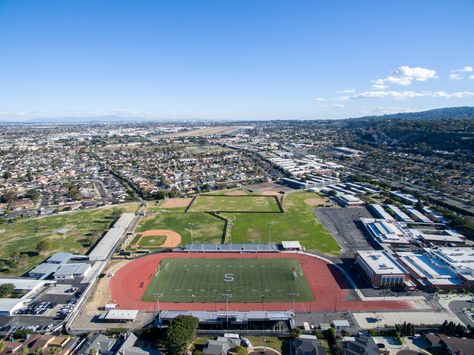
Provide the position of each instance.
(297, 223)
(248, 203)
(245, 280)
(206, 228)
(271, 342)
(81, 230)
(151, 241)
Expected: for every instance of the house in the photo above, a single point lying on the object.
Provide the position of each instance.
(98, 344)
(364, 345)
(307, 345)
(452, 345)
(220, 346)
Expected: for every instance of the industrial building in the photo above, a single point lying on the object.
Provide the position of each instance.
(399, 214)
(347, 200)
(383, 231)
(29, 287)
(430, 271)
(72, 271)
(379, 212)
(381, 268)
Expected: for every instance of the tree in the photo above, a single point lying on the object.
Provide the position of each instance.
(180, 333)
(6, 290)
(295, 332)
(7, 175)
(44, 246)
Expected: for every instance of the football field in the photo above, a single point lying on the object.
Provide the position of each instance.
(237, 280)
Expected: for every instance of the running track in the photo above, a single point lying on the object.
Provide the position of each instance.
(330, 287)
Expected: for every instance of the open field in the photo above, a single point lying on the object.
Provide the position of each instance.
(80, 231)
(245, 203)
(245, 280)
(205, 228)
(296, 223)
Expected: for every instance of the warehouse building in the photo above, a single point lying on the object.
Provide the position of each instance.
(72, 271)
(385, 232)
(399, 214)
(347, 200)
(379, 212)
(429, 271)
(381, 269)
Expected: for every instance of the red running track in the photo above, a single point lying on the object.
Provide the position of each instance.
(329, 286)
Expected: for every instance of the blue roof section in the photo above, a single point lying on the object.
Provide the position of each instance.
(231, 247)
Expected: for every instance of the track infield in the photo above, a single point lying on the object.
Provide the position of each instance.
(240, 280)
(330, 290)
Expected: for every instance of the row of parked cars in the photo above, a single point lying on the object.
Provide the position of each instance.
(37, 308)
(68, 307)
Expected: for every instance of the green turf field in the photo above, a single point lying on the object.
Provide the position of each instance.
(206, 228)
(246, 280)
(296, 223)
(84, 228)
(248, 203)
(152, 241)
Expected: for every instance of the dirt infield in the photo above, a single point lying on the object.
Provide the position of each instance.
(313, 202)
(173, 239)
(329, 286)
(176, 202)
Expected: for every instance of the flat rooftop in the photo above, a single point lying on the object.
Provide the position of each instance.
(381, 263)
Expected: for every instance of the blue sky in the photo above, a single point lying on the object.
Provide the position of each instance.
(230, 59)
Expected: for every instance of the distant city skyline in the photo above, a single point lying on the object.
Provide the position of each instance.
(233, 59)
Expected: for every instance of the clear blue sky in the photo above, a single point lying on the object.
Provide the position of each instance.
(256, 59)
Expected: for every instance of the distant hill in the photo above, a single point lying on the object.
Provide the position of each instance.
(436, 114)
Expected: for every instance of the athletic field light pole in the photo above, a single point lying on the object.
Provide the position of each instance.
(227, 296)
(263, 301)
(157, 303)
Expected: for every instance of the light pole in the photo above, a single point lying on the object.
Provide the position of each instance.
(227, 295)
(157, 303)
(263, 300)
(230, 232)
(270, 224)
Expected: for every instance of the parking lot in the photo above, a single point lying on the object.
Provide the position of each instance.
(47, 310)
(343, 225)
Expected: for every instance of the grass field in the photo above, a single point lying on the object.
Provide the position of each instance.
(248, 203)
(206, 228)
(84, 228)
(245, 280)
(297, 223)
(151, 240)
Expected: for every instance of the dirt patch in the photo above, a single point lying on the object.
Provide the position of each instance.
(100, 293)
(236, 193)
(173, 239)
(313, 202)
(176, 202)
